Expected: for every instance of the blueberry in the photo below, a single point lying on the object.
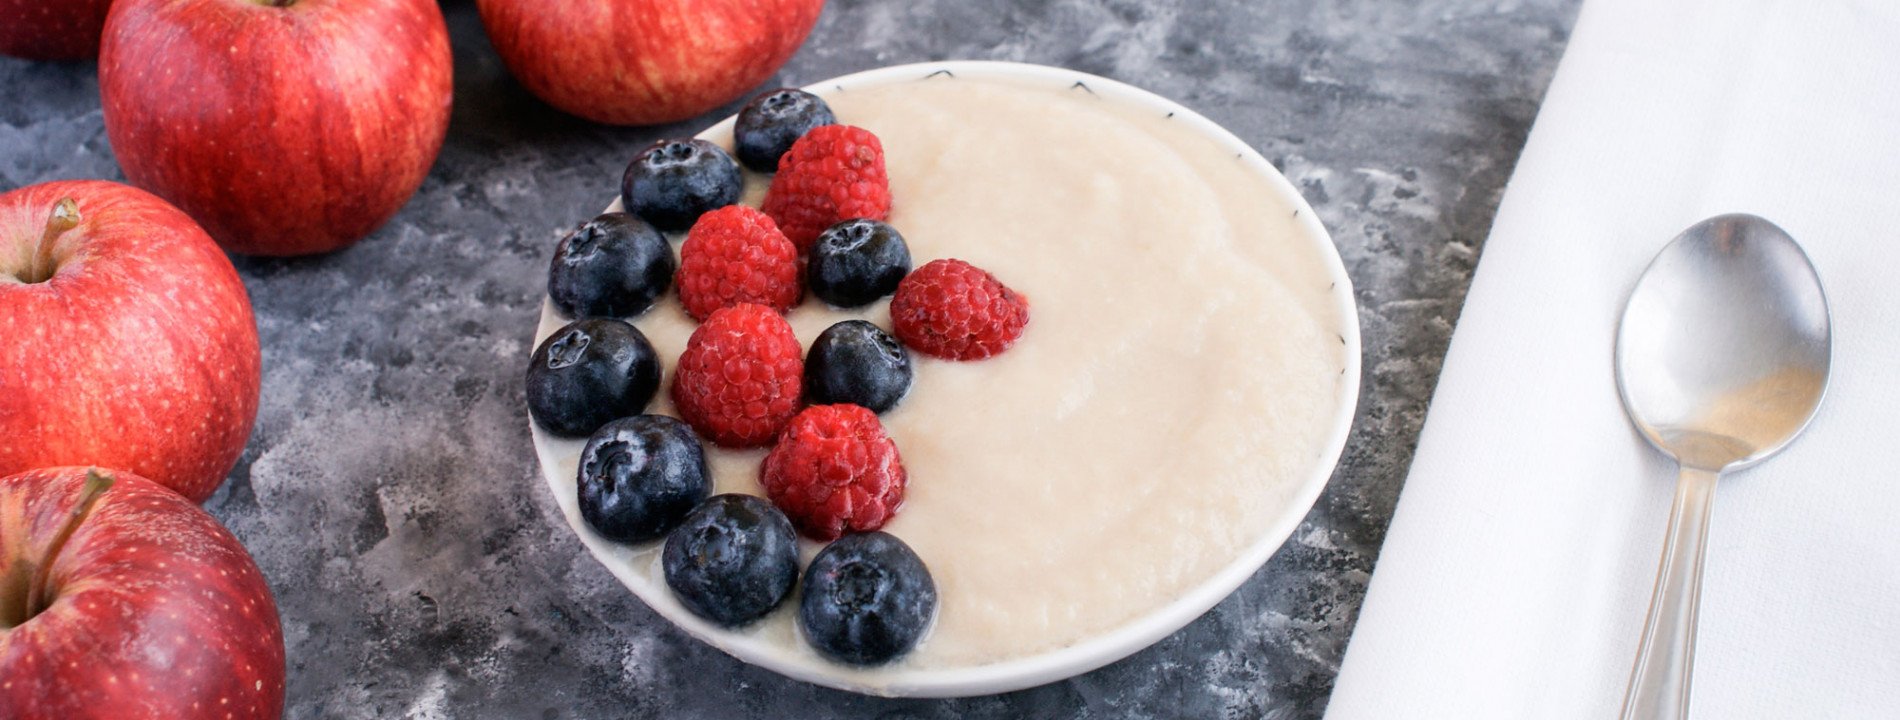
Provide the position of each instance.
(588, 373)
(857, 261)
(672, 182)
(768, 125)
(615, 265)
(857, 362)
(868, 599)
(732, 560)
(639, 476)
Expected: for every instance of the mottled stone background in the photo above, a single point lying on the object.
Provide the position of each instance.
(391, 495)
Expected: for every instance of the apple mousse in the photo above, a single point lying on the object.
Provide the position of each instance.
(1176, 383)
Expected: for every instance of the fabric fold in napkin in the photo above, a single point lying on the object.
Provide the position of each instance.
(1517, 570)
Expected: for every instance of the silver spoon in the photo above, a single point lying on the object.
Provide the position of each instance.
(1721, 358)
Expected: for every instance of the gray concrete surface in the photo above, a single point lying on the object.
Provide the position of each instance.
(391, 495)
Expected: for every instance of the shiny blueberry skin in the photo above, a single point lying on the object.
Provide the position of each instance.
(768, 125)
(614, 265)
(857, 362)
(857, 261)
(639, 476)
(868, 599)
(733, 560)
(588, 373)
(672, 182)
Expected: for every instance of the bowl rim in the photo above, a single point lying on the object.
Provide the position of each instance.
(1092, 652)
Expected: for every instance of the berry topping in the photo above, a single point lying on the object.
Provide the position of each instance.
(833, 471)
(588, 373)
(639, 476)
(768, 125)
(672, 182)
(857, 261)
(614, 265)
(732, 560)
(868, 599)
(833, 174)
(957, 311)
(737, 255)
(857, 362)
(738, 382)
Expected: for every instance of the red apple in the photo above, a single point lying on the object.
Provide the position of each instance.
(119, 599)
(286, 127)
(51, 29)
(641, 62)
(128, 339)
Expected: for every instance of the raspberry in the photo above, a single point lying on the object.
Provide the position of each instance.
(834, 471)
(957, 311)
(736, 255)
(739, 380)
(832, 174)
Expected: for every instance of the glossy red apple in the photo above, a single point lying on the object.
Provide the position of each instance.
(126, 338)
(119, 599)
(51, 29)
(641, 62)
(285, 127)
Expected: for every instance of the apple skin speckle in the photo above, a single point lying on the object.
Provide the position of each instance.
(39, 30)
(645, 63)
(137, 638)
(140, 353)
(225, 128)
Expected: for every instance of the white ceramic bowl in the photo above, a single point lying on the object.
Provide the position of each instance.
(560, 455)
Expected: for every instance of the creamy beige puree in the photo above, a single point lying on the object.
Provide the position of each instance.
(1176, 381)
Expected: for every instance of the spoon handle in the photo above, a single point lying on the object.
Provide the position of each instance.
(1659, 685)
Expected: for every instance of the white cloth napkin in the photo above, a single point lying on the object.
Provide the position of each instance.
(1518, 568)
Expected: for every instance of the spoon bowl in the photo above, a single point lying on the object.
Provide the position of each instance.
(1722, 357)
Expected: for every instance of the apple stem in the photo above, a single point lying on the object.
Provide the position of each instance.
(65, 217)
(97, 483)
